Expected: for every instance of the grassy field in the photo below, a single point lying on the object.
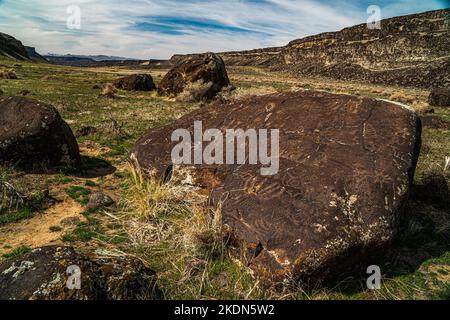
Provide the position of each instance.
(166, 226)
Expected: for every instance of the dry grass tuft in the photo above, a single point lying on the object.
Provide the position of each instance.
(194, 92)
(8, 74)
(176, 213)
(109, 91)
(175, 229)
(226, 94)
(150, 200)
(420, 107)
(400, 96)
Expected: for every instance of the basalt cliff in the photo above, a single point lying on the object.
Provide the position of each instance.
(411, 50)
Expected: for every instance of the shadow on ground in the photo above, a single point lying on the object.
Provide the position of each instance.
(423, 238)
(92, 167)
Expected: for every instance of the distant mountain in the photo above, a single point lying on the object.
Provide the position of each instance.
(91, 60)
(70, 60)
(12, 48)
(87, 57)
(109, 61)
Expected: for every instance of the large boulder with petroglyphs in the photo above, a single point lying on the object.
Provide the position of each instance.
(329, 204)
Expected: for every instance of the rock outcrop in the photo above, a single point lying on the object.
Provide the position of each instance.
(439, 97)
(411, 50)
(345, 169)
(206, 68)
(33, 133)
(136, 82)
(49, 273)
(12, 48)
(34, 55)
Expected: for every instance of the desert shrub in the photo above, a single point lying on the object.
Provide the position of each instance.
(109, 91)
(8, 74)
(194, 92)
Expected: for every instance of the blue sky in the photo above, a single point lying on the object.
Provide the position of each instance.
(160, 28)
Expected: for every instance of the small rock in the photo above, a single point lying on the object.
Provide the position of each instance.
(136, 82)
(222, 280)
(70, 221)
(195, 266)
(439, 97)
(85, 131)
(99, 200)
(24, 93)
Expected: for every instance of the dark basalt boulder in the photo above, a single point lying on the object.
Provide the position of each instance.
(136, 82)
(205, 68)
(346, 168)
(43, 274)
(33, 133)
(439, 97)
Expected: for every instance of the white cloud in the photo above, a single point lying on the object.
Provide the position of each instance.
(108, 26)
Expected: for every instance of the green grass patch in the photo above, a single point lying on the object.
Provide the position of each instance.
(79, 194)
(17, 253)
(85, 231)
(90, 183)
(13, 217)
